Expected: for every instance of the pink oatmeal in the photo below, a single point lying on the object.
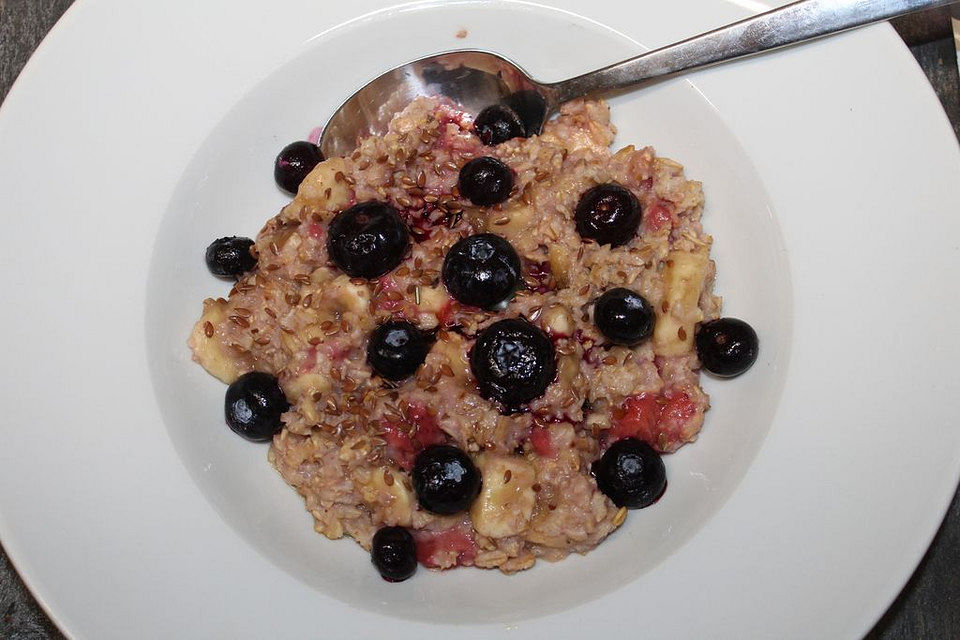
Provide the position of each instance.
(349, 439)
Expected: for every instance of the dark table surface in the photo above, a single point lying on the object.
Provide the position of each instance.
(928, 607)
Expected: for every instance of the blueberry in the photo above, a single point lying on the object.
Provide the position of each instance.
(531, 107)
(397, 349)
(609, 214)
(368, 240)
(293, 163)
(498, 123)
(394, 553)
(481, 270)
(445, 479)
(727, 346)
(253, 406)
(623, 316)
(485, 181)
(513, 362)
(230, 257)
(631, 474)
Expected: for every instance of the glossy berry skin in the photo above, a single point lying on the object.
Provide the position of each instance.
(253, 406)
(498, 123)
(368, 240)
(727, 346)
(445, 479)
(394, 553)
(485, 181)
(631, 474)
(482, 270)
(513, 362)
(397, 349)
(624, 316)
(293, 163)
(230, 257)
(608, 214)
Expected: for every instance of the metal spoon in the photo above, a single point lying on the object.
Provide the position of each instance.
(478, 79)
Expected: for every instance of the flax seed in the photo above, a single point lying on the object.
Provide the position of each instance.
(240, 320)
(620, 516)
(208, 329)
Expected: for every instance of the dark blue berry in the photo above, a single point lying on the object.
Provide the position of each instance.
(631, 474)
(394, 553)
(485, 181)
(230, 257)
(368, 240)
(498, 123)
(608, 214)
(624, 316)
(397, 349)
(253, 406)
(531, 107)
(482, 270)
(513, 362)
(293, 163)
(445, 479)
(727, 346)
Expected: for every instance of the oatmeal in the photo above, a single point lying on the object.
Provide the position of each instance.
(359, 418)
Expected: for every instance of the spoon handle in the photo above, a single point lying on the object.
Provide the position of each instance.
(786, 25)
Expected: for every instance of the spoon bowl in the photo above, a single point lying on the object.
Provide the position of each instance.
(472, 79)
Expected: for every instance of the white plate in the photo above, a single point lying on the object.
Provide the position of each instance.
(140, 131)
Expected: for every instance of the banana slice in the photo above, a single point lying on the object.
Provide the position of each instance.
(506, 499)
(210, 352)
(323, 188)
(683, 279)
(387, 496)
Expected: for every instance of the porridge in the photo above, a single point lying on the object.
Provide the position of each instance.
(471, 347)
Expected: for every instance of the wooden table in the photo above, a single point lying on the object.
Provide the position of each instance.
(929, 606)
